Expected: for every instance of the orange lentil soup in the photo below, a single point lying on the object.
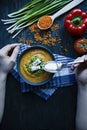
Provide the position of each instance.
(26, 57)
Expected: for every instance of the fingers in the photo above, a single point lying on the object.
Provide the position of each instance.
(82, 58)
(15, 53)
(7, 48)
(85, 58)
(10, 51)
(8, 55)
(73, 67)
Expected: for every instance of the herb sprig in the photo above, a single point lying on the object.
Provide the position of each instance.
(30, 64)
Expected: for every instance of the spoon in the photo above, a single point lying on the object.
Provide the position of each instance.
(58, 13)
(53, 66)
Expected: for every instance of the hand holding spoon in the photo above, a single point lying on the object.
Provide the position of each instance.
(53, 66)
(46, 22)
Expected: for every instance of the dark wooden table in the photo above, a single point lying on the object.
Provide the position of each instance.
(28, 111)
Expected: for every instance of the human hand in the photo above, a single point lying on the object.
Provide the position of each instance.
(8, 55)
(81, 111)
(81, 72)
(83, 59)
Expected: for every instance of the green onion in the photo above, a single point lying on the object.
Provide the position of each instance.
(30, 14)
(30, 64)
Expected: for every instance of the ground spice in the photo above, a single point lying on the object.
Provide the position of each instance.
(43, 37)
(55, 27)
(45, 22)
(65, 49)
(27, 41)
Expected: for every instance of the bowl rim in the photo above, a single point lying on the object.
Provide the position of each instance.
(18, 66)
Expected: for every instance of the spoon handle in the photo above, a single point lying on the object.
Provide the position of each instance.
(75, 62)
(67, 8)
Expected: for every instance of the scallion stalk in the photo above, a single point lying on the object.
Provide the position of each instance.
(31, 12)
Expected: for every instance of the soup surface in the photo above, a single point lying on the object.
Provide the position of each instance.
(26, 59)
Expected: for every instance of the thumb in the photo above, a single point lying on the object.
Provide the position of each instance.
(15, 53)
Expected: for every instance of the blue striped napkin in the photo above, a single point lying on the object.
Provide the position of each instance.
(62, 78)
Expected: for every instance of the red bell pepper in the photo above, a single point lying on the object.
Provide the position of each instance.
(76, 22)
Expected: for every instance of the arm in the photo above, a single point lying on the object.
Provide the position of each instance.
(7, 61)
(2, 93)
(81, 112)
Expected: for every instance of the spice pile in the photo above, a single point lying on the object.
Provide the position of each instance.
(49, 37)
(45, 22)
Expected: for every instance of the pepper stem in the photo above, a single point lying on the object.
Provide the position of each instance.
(84, 46)
(77, 21)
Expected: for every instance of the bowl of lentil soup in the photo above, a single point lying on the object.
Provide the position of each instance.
(30, 65)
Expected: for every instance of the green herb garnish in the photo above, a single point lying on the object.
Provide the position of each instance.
(31, 64)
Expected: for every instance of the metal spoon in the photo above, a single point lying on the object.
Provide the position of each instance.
(60, 12)
(53, 66)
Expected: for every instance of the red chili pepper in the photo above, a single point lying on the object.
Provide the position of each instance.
(76, 22)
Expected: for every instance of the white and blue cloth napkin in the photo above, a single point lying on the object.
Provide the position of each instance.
(63, 78)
